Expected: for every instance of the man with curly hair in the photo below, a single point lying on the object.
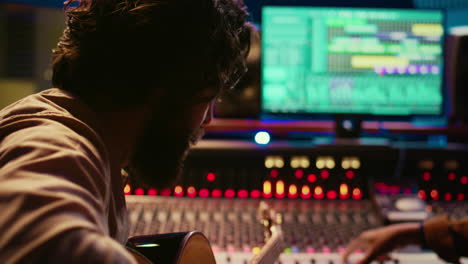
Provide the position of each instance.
(135, 82)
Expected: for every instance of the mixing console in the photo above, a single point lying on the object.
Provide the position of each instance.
(327, 195)
(315, 232)
(231, 225)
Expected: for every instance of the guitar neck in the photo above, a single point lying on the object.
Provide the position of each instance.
(272, 249)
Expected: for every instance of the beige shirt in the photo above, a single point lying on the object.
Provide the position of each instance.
(60, 198)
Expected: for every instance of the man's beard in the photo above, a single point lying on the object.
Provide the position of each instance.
(159, 156)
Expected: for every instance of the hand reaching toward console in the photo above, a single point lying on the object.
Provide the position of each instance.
(377, 243)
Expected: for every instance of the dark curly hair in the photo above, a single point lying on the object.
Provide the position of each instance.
(118, 52)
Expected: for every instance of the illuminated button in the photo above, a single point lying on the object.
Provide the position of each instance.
(280, 189)
(210, 177)
(229, 193)
(267, 189)
(330, 163)
(139, 191)
(426, 176)
(355, 163)
(349, 174)
(127, 189)
(166, 192)
(448, 197)
(452, 176)
(318, 192)
(269, 162)
(305, 162)
(305, 192)
(216, 193)
(152, 192)
(311, 178)
(295, 163)
(299, 174)
(345, 163)
(320, 163)
(191, 191)
(344, 191)
(279, 162)
(331, 195)
(435, 195)
(357, 194)
(274, 173)
(461, 197)
(178, 191)
(292, 191)
(464, 180)
(204, 193)
(255, 194)
(422, 195)
(324, 174)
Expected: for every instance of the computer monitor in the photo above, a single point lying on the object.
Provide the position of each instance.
(352, 61)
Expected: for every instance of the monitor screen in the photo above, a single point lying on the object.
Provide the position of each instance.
(384, 62)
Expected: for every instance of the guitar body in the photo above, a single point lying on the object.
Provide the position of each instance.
(177, 248)
(193, 247)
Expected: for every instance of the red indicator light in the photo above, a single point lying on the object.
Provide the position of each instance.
(331, 195)
(448, 197)
(210, 177)
(324, 174)
(464, 180)
(292, 191)
(127, 189)
(204, 193)
(452, 176)
(422, 195)
(166, 192)
(152, 192)
(229, 193)
(191, 191)
(243, 194)
(435, 195)
(318, 193)
(255, 194)
(357, 194)
(139, 191)
(305, 192)
(216, 193)
(461, 197)
(311, 178)
(349, 174)
(178, 191)
(299, 174)
(426, 176)
(274, 173)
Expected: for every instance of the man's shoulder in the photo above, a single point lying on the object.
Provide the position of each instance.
(44, 121)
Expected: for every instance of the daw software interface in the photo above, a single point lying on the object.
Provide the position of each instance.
(352, 61)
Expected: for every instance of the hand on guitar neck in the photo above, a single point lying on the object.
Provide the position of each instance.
(193, 247)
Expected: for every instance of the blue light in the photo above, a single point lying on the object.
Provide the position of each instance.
(262, 138)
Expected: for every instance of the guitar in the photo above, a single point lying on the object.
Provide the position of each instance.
(194, 247)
